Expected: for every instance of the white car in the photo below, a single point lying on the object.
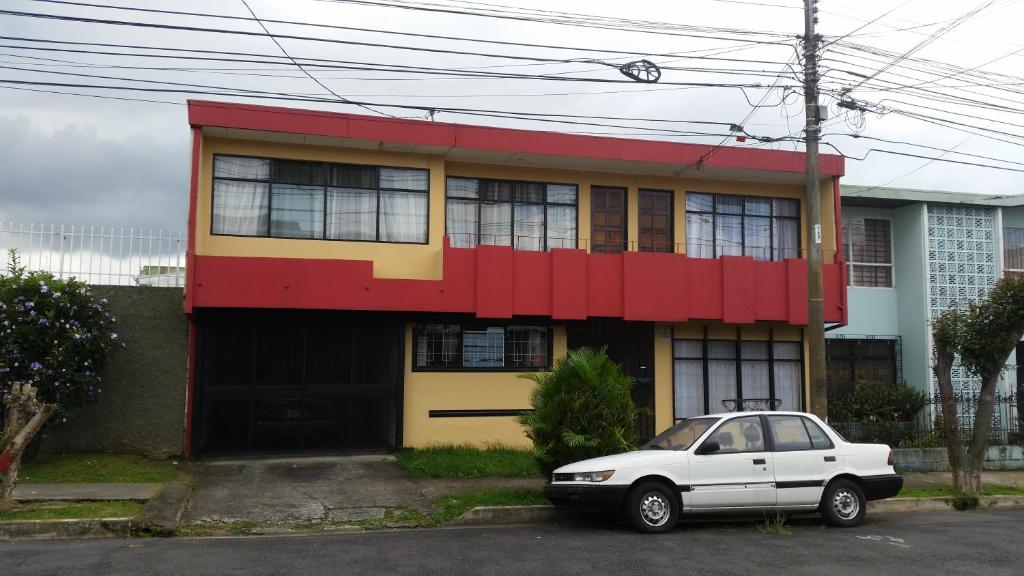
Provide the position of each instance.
(735, 462)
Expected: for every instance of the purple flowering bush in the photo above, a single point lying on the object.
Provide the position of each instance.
(54, 336)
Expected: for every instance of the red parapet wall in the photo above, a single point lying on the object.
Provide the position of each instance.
(498, 282)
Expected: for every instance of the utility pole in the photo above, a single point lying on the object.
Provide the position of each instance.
(812, 193)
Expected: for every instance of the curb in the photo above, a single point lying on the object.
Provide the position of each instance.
(163, 513)
(495, 515)
(52, 529)
(483, 515)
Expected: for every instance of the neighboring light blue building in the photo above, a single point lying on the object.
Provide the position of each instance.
(913, 254)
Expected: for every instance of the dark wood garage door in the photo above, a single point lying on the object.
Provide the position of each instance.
(279, 382)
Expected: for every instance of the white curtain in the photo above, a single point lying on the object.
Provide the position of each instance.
(699, 231)
(240, 208)
(786, 238)
(788, 384)
(496, 223)
(529, 227)
(561, 226)
(351, 214)
(688, 379)
(757, 237)
(721, 373)
(462, 219)
(755, 370)
(728, 235)
(239, 167)
(296, 211)
(403, 216)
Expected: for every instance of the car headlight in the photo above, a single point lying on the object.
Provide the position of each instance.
(590, 476)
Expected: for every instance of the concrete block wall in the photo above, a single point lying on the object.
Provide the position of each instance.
(937, 460)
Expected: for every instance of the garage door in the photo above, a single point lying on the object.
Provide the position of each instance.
(281, 382)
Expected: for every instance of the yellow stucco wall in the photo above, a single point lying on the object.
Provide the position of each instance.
(424, 261)
(425, 391)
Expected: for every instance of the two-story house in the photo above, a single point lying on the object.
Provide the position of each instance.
(360, 282)
(912, 254)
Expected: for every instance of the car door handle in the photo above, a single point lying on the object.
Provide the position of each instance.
(758, 461)
(830, 458)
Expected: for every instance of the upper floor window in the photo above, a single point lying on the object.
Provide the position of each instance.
(1013, 249)
(524, 215)
(317, 200)
(727, 225)
(655, 221)
(868, 249)
(483, 347)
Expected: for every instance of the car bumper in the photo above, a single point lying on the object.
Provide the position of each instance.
(879, 487)
(586, 497)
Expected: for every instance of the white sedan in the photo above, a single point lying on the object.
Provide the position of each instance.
(735, 462)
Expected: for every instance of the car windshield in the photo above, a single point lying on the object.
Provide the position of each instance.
(681, 436)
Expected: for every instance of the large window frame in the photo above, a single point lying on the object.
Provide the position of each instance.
(857, 355)
(1016, 233)
(520, 188)
(706, 359)
(854, 264)
(325, 189)
(479, 328)
(710, 248)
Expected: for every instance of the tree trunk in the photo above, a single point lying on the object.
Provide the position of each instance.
(943, 369)
(21, 408)
(982, 430)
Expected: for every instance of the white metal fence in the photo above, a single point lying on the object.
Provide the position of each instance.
(98, 255)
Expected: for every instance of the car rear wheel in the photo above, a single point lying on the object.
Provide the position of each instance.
(653, 507)
(843, 504)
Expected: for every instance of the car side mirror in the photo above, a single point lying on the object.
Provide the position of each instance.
(709, 447)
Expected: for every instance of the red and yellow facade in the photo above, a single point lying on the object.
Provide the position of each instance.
(676, 295)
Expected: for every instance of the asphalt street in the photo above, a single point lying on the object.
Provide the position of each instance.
(944, 543)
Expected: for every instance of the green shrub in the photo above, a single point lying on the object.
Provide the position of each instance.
(581, 409)
(54, 336)
(875, 402)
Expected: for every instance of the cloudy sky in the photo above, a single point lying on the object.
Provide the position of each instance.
(75, 159)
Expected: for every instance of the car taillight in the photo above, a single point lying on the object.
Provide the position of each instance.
(892, 457)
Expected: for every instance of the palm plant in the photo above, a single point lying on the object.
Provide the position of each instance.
(581, 409)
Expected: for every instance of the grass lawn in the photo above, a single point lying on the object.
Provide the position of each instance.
(451, 506)
(73, 510)
(95, 468)
(939, 491)
(467, 462)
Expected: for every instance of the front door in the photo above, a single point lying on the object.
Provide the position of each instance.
(738, 475)
(607, 220)
(631, 345)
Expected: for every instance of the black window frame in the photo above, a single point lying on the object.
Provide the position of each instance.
(671, 220)
(325, 168)
(854, 352)
(545, 203)
(738, 359)
(851, 263)
(482, 325)
(772, 218)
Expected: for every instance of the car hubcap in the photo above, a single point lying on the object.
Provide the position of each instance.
(654, 509)
(846, 504)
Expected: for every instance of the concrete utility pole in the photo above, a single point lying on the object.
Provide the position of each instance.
(815, 304)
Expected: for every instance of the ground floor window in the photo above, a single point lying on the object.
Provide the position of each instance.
(870, 359)
(728, 375)
(481, 346)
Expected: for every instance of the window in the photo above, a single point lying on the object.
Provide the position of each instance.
(850, 360)
(789, 434)
(481, 347)
(524, 215)
(868, 249)
(655, 221)
(819, 439)
(712, 376)
(607, 220)
(739, 435)
(317, 200)
(727, 225)
(1013, 249)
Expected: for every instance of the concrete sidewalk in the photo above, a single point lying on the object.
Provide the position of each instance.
(47, 492)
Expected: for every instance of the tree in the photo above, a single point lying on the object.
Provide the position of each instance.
(983, 335)
(54, 345)
(581, 409)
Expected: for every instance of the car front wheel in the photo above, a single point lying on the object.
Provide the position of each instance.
(653, 507)
(843, 504)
